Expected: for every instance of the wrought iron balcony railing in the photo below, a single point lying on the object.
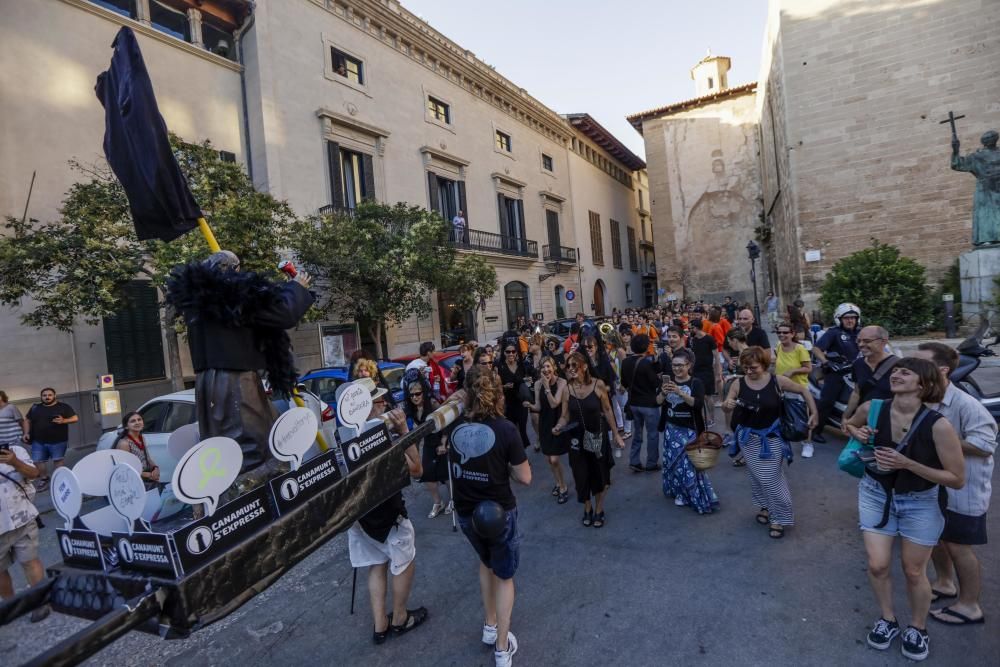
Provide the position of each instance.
(475, 239)
(559, 253)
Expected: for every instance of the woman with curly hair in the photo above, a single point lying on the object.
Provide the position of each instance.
(547, 407)
(587, 405)
(486, 453)
(418, 407)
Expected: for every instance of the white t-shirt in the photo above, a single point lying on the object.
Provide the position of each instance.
(15, 509)
(458, 221)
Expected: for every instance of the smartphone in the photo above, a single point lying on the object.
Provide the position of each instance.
(865, 455)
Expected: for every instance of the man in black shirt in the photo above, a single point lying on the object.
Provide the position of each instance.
(871, 371)
(383, 539)
(730, 307)
(640, 379)
(46, 427)
(836, 350)
(755, 335)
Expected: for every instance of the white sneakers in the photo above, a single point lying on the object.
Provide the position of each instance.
(807, 450)
(489, 634)
(506, 658)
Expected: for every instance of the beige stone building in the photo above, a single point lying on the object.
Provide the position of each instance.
(704, 184)
(325, 103)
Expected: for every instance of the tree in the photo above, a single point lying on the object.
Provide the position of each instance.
(890, 289)
(380, 263)
(76, 267)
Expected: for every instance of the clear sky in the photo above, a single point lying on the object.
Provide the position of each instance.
(602, 58)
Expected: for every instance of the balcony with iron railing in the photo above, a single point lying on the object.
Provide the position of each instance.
(649, 270)
(559, 253)
(475, 239)
(644, 242)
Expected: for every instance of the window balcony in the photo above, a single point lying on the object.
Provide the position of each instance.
(475, 239)
(648, 243)
(649, 271)
(559, 253)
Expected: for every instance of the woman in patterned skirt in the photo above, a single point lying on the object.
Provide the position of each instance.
(683, 398)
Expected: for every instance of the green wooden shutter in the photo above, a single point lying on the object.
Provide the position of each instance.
(133, 338)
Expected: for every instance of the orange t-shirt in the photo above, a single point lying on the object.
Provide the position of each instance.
(650, 331)
(718, 332)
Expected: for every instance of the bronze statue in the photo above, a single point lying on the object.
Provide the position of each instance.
(984, 164)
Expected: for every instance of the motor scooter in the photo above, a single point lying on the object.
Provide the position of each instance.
(970, 353)
(816, 385)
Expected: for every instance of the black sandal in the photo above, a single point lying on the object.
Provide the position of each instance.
(414, 617)
(599, 520)
(739, 462)
(588, 519)
(555, 490)
(763, 517)
(776, 532)
(563, 497)
(380, 637)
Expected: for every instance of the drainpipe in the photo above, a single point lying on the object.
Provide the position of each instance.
(238, 36)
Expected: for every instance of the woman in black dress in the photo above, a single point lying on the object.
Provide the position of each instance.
(419, 405)
(587, 407)
(602, 368)
(554, 350)
(512, 377)
(549, 391)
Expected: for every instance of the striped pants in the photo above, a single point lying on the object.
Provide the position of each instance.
(767, 479)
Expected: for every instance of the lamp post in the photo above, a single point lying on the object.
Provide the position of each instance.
(753, 251)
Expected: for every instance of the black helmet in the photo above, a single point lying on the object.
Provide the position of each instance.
(489, 520)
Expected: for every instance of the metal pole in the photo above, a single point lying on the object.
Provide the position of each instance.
(753, 279)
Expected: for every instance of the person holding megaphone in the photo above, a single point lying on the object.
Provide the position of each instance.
(486, 453)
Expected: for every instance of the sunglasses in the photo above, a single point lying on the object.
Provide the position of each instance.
(414, 394)
(682, 364)
(509, 352)
(572, 366)
(485, 362)
(784, 333)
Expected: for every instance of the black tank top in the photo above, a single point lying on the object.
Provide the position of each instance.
(588, 408)
(920, 448)
(757, 408)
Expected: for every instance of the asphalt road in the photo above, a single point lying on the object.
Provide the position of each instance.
(658, 585)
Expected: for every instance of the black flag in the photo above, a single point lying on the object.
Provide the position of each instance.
(138, 149)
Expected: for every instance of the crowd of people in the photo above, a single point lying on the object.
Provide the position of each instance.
(654, 378)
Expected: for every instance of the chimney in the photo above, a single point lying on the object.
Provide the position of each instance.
(710, 75)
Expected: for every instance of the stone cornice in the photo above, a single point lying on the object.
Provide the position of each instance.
(405, 33)
(443, 156)
(551, 196)
(328, 116)
(142, 29)
(509, 180)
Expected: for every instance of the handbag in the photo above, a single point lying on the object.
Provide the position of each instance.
(848, 460)
(591, 441)
(794, 419)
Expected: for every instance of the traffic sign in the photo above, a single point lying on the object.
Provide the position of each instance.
(570, 295)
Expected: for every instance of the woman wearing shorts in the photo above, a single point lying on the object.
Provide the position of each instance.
(916, 453)
(486, 452)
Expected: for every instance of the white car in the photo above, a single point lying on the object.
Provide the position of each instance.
(165, 414)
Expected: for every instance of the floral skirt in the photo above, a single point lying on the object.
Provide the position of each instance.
(680, 479)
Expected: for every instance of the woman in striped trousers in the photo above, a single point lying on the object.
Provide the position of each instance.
(755, 403)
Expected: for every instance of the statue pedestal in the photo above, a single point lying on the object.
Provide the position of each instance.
(977, 270)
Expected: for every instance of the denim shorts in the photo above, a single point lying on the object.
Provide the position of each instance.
(916, 517)
(501, 555)
(43, 451)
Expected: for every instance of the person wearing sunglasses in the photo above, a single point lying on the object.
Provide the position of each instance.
(418, 407)
(587, 405)
(514, 376)
(549, 392)
(554, 352)
(872, 370)
(682, 398)
(793, 362)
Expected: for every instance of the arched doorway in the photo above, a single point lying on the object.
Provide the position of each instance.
(515, 296)
(599, 298)
(560, 303)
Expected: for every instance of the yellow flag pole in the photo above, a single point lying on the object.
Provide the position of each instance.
(206, 231)
(213, 245)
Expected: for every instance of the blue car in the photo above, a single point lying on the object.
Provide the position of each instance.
(324, 381)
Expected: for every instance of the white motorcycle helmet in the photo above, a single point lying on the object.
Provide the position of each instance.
(846, 309)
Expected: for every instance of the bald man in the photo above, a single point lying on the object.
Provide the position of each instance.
(755, 335)
(871, 370)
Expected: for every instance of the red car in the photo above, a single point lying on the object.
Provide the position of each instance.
(446, 360)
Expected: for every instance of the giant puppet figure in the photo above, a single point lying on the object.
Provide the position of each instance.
(236, 327)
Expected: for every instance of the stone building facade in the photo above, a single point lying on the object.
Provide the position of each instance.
(705, 185)
(325, 102)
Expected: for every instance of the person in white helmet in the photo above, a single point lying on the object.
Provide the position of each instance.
(836, 350)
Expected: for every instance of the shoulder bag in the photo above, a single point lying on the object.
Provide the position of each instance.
(591, 441)
(848, 460)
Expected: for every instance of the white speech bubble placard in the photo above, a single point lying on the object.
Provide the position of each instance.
(354, 405)
(206, 471)
(127, 493)
(472, 440)
(94, 470)
(292, 435)
(183, 439)
(66, 495)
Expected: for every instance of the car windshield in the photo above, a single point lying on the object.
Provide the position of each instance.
(450, 361)
(325, 388)
(393, 376)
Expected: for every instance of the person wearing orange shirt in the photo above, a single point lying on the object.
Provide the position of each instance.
(644, 328)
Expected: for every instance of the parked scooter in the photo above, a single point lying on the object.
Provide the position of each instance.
(816, 384)
(970, 352)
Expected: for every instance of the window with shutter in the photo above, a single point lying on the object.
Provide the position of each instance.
(336, 185)
(616, 244)
(596, 246)
(133, 338)
(633, 263)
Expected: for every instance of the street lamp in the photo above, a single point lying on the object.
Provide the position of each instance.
(753, 251)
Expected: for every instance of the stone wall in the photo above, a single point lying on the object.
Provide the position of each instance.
(862, 87)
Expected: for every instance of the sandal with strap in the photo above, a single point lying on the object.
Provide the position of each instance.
(763, 517)
(555, 490)
(414, 617)
(380, 637)
(563, 497)
(776, 532)
(599, 520)
(588, 519)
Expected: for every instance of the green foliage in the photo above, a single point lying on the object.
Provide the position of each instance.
(75, 267)
(889, 288)
(381, 263)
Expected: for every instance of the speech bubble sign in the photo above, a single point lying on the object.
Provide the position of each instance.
(66, 495)
(94, 470)
(206, 471)
(354, 404)
(183, 439)
(472, 440)
(127, 493)
(292, 435)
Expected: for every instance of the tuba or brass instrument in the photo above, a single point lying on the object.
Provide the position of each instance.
(610, 334)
